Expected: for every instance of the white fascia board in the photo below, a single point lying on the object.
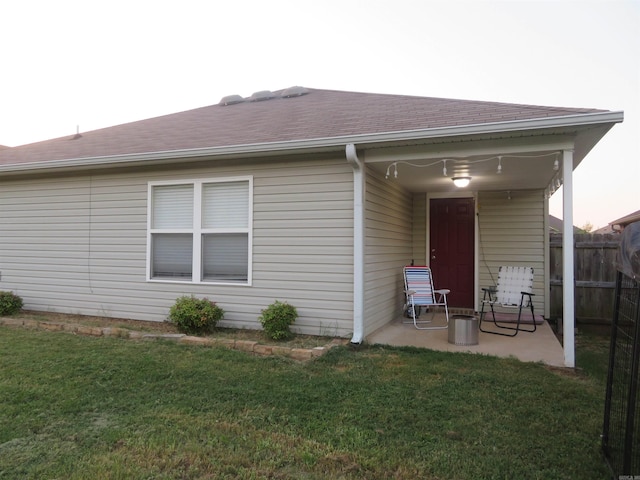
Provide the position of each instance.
(578, 120)
(318, 144)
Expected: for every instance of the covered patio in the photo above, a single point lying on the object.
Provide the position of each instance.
(540, 346)
(498, 216)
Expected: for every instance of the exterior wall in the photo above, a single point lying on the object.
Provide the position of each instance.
(511, 232)
(419, 219)
(77, 244)
(388, 247)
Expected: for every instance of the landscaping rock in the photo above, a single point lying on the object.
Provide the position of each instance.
(245, 345)
(90, 331)
(51, 326)
(11, 322)
(115, 332)
(278, 350)
(300, 354)
(263, 349)
(163, 336)
(190, 340)
(225, 342)
(318, 351)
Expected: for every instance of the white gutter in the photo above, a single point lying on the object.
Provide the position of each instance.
(321, 144)
(358, 242)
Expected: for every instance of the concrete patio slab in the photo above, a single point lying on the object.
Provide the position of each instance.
(540, 346)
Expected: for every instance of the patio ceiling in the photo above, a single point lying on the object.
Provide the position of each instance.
(527, 160)
(535, 171)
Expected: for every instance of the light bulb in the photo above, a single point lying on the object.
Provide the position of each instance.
(461, 182)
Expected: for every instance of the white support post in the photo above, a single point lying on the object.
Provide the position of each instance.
(568, 280)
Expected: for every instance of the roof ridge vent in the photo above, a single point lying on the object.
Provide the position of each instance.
(294, 92)
(231, 100)
(262, 95)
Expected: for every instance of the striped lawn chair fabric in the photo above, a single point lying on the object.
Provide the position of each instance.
(419, 291)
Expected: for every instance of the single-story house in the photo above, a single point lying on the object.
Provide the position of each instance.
(621, 223)
(315, 197)
(618, 225)
(555, 226)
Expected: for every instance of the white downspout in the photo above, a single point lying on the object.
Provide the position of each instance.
(568, 280)
(358, 242)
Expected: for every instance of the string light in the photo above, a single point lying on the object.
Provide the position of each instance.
(467, 162)
(394, 165)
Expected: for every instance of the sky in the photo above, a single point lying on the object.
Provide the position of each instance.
(89, 64)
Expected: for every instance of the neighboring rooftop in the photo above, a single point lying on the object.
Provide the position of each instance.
(556, 225)
(620, 224)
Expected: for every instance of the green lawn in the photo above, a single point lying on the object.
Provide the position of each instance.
(81, 407)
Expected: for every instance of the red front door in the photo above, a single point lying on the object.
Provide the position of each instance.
(451, 245)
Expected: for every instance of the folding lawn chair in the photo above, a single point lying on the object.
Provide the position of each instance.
(419, 292)
(513, 290)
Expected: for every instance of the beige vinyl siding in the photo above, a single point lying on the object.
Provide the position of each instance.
(388, 236)
(512, 233)
(419, 229)
(77, 244)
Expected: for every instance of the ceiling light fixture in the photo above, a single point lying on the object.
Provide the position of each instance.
(461, 182)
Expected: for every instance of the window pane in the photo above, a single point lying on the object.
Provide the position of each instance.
(225, 205)
(172, 255)
(172, 206)
(225, 257)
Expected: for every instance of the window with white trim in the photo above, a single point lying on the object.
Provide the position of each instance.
(200, 231)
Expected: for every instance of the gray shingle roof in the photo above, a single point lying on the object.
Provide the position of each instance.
(314, 115)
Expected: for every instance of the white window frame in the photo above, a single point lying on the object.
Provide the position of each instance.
(198, 231)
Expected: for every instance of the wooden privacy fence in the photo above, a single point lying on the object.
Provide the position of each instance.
(594, 256)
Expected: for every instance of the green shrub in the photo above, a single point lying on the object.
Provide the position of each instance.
(10, 303)
(195, 315)
(277, 318)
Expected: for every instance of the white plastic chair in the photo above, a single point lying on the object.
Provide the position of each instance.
(513, 290)
(419, 292)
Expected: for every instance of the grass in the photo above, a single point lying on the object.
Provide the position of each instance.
(592, 354)
(82, 407)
